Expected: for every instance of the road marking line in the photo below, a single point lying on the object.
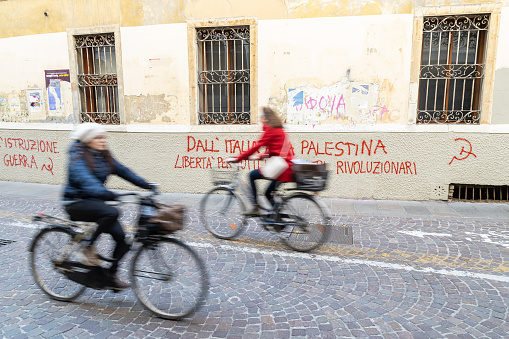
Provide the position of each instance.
(422, 234)
(369, 254)
(354, 261)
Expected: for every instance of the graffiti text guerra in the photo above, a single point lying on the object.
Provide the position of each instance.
(18, 159)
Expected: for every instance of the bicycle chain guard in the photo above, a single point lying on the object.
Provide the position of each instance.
(96, 277)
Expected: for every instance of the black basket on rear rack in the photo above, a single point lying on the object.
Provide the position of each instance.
(222, 177)
(310, 177)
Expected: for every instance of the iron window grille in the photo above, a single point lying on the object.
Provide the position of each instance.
(452, 69)
(223, 75)
(97, 78)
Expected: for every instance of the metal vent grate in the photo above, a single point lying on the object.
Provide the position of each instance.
(5, 242)
(342, 234)
(468, 192)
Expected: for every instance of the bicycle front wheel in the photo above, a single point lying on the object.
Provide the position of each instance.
(47, 247)
(306, 224)
(221, 213)
(169, 278)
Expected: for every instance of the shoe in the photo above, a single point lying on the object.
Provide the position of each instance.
(117, 284)
(254, 211)
(88, 255)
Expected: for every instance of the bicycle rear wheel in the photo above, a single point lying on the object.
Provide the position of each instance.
(47, 246)
(221, 213)
(306, 224)
(169, 278)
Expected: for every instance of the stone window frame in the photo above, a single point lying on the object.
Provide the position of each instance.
(193, 62)
(492, 42)
(73, 62)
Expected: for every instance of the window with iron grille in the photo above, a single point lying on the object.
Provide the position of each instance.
(452, 69)
(97, 78)
(223, 75)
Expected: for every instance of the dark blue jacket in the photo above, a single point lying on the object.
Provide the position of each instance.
(86, 183)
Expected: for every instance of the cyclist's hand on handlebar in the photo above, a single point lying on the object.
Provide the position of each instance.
(255, 157)
(153, 187)
(232, 160)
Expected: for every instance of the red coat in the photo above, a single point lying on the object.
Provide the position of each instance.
(273, 139)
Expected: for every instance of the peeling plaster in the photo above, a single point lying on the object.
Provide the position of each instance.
(13, 107)
(343, 102)
(150, 108)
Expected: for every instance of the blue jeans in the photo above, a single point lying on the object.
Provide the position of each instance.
(256, 175)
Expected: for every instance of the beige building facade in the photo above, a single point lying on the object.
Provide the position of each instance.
(402, 99)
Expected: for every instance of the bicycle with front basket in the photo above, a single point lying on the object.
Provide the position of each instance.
(167, 276)
(297, 218)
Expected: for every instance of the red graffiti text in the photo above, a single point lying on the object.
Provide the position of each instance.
(342, 148)
(376, 167)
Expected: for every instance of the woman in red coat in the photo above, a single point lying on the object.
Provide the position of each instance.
(276, 142)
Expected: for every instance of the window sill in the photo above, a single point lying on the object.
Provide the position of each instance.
(380, 128)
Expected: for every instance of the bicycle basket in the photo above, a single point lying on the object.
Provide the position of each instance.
(310, 177)
(169, 218)
(222, 177)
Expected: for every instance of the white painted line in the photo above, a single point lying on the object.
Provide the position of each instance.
(372, 263)
(423, 234)
(495, 238)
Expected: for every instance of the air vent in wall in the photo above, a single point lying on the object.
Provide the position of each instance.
(469, 192)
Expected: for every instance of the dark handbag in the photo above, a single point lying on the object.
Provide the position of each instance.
(310, 177)
(169, 218)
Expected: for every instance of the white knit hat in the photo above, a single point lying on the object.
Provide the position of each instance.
(87, 131)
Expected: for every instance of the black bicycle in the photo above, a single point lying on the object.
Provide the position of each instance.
(167, 276)
(298, 219)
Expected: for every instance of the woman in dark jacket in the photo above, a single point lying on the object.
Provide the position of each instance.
(90, 164)
(276, 142)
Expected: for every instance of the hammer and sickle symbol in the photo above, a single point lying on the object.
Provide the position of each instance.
(463, 153)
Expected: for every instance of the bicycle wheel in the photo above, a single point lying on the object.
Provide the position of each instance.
(306, 224)
(221, 213)
(46, 248)
(169, 278)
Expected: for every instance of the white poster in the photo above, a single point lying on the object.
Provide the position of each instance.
(35, 101)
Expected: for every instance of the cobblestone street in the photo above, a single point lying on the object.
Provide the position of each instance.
(415, 270)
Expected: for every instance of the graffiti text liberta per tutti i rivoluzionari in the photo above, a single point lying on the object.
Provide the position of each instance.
(214, 152)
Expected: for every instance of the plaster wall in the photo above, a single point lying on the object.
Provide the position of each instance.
(23, 61)
(156, 76)
(26, 17)
(341, 52)
(381, 165)
(359, 77)
(501, 85)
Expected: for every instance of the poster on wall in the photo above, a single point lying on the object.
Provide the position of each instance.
(35, 100)
(56, 83)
